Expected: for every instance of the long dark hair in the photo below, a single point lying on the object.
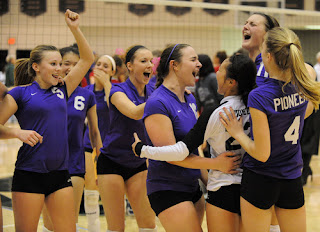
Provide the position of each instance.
(271, 22)
(71, 49)
(242, 69)
(207, 66)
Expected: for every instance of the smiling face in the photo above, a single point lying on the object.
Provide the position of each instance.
(69, 60)
(49, 69)
(105, 65)
(253, 32)
(189, 66)
(141, 67)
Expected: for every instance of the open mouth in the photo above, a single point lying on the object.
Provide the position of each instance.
(195, 73)
(247, 37)
(146, 74)
(55, 76)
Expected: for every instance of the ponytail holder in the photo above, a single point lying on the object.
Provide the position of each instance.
(290, 44)
(168, 60)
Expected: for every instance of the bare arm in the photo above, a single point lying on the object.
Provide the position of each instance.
(104, 79)
(313, 76)
(75, 76)
(7, 108)
(160, 131)
(94, 133)
(180, 150)
(126, 106)
(3, 91)
(260, 148)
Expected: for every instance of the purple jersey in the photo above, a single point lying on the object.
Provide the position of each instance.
(80, 101)
(44, 111)
(103, 116)
(117, 144)
(262, 75)
(285, 113)
(162, 175)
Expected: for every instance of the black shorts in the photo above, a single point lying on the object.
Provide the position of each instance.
(106, 166)
(163, 200)
(78, 174)
(42, 183)
(88, 150)
(227, 198)
(265, 191)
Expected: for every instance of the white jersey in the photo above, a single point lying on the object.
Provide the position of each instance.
(220, 141)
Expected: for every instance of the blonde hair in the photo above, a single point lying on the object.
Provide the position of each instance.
(23, 71)
(285, 46)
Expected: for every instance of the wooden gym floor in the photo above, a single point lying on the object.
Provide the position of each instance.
(8, 154)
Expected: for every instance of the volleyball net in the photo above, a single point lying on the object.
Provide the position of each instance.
(111, 26)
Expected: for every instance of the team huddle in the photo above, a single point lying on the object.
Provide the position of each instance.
(142, 136)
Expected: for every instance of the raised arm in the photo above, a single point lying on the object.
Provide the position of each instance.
(75, 76)
(104, 79)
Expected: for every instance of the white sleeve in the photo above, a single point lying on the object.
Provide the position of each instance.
(176, 152)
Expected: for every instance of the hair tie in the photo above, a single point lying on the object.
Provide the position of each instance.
(114, 67)
(131, 52)
(290, 44)
(170, 54)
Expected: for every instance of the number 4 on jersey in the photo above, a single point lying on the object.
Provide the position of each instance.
(292, 133)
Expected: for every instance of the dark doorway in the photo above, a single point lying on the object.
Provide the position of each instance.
(3, 55)
(23, 54)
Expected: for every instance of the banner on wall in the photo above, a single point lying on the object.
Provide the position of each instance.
(216, 12)
(33, 8)
(294, 4)
(73, 5)
(178, 11)
(317, 5)
(252, 3)
(140, 9)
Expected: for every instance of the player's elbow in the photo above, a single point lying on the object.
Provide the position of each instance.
(263, 156)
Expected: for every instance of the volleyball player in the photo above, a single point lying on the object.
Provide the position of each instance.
(236, 78)
(273, 162)
(119, 171)
(3, 92)
(253, 32)
(41, 173)
(81, 105)
(103, 70)
(173, 187)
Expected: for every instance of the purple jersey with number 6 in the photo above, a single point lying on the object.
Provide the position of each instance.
(80, 101)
